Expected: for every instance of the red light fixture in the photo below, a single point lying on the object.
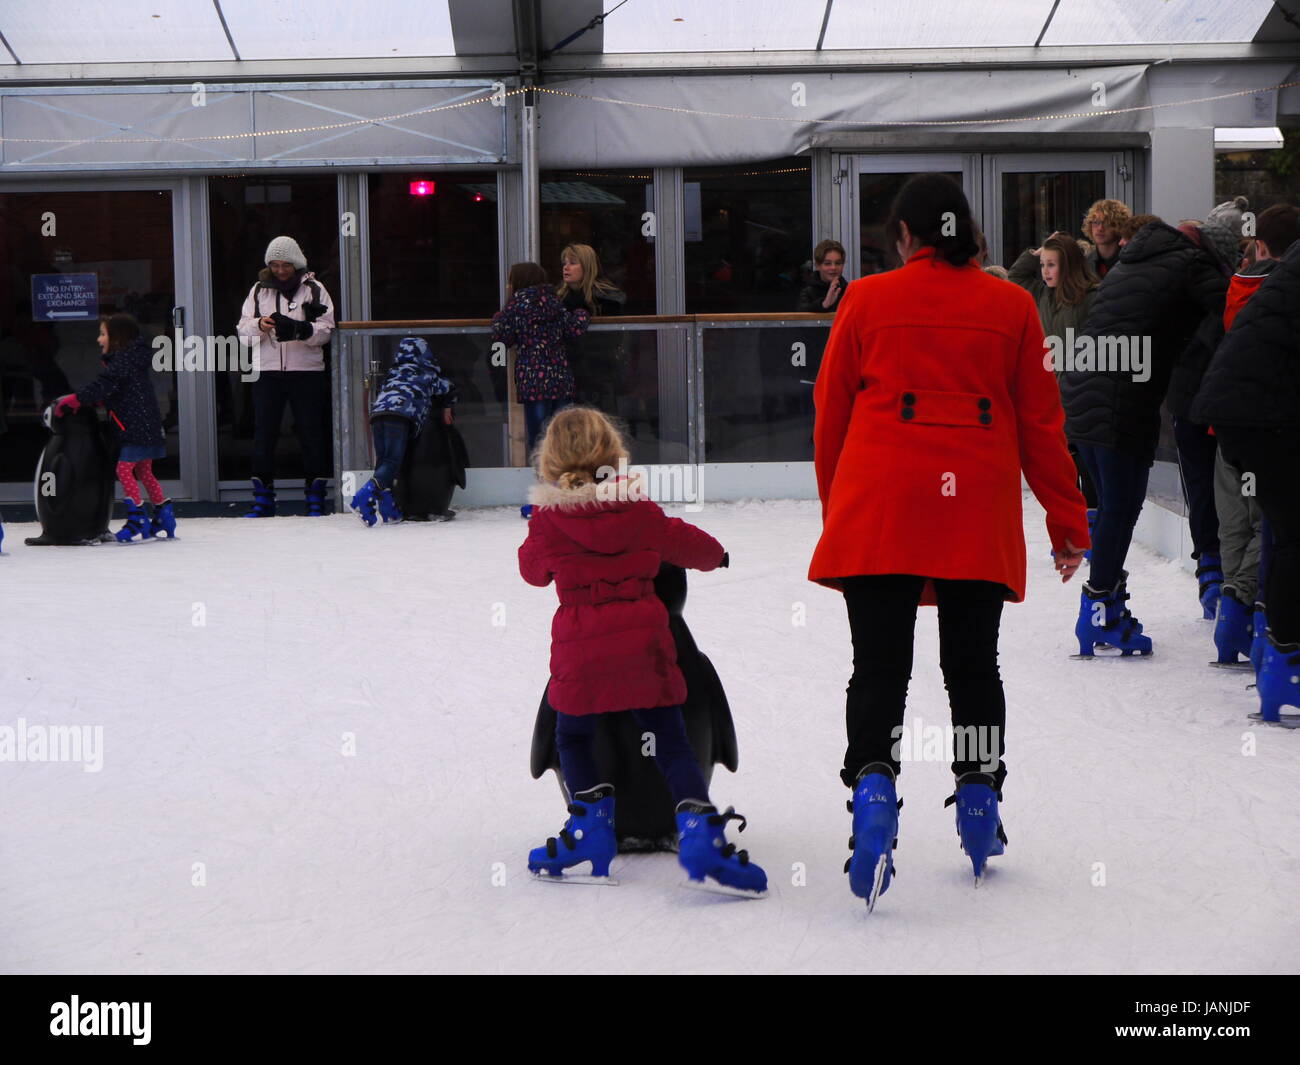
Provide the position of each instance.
(422, 188)
(478, 197)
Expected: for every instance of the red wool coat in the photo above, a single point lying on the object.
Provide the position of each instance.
(611, 648)
(931, 398)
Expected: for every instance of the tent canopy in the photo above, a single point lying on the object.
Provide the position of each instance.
(38, 32)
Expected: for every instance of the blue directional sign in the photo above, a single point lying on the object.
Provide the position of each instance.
(65, 297)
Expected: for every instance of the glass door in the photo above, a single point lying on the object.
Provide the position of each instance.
(868, 185)
(73, 252)
(1029, 196)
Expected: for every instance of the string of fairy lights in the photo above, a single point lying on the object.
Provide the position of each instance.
(498, 96)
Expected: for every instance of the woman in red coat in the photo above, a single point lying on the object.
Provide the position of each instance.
(932, 398)
(601, 540)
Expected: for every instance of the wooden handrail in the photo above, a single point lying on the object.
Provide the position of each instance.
(629, 319)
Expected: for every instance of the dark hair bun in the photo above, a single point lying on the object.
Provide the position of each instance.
(938, 214)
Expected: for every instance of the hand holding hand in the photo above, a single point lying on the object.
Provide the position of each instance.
(1068, 561)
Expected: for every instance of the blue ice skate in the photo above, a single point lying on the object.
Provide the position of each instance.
(1232, 632)
(388, 508)
(1210, 574)
(978, 825)
(1258, 639)
(364, 501)
(315, 496)
(875, 805)
(1279, 683)
(137, 524)
(164, 521)
(1104, 621)
(703, 850)
(263, 499)
(587, 836)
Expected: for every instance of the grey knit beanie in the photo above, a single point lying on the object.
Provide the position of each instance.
(286, 249)
(1228, 215)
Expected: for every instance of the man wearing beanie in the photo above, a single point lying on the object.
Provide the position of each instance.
(289, 317)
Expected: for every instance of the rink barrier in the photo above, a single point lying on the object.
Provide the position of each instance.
(726, 396)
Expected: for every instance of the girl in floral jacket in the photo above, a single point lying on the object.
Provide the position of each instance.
(536, 323)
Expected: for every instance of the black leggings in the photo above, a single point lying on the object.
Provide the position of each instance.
(882, 617)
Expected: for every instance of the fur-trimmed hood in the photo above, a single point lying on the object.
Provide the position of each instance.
(615, 490)
(604, 518)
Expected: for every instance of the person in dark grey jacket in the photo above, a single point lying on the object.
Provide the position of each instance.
(1146, 312)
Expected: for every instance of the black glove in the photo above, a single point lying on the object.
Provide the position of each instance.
(305, 330)
(313, 310)
(726, 560)
(286, 328)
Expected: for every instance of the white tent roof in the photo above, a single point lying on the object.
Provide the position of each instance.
(159, 31)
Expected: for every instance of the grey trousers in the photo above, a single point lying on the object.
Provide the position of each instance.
(1239, 518)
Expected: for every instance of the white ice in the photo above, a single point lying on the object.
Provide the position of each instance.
(1153, 828)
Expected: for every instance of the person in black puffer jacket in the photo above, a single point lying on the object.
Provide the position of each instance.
(1154, 299)
(1197, 448)
(126, 390)
(1251, 395)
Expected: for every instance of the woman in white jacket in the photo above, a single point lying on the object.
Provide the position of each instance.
(289, 316)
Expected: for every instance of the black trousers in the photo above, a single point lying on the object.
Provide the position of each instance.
(882, 617)
(308, 394)
(1270, 454)
(1196, 453)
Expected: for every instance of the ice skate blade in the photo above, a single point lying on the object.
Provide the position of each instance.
(1111, 653)
(588, 879)
(712, 887)
(1288, 721)
(878, 881)
(1240, 666)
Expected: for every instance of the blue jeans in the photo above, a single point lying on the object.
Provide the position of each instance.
(1121, 482)
(536, 411)
(390, 435)
(674, 755)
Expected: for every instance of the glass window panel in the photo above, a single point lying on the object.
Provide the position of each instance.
(1155, 21)
(125, 239)
(876, 194)
(1036, 205)
(483, 397)
(757, 407)
(313, 29)
(124, 31)
(246, 213)
(934, 24)
(618, 372)
(717, 26)
(748, 232)
(434, 255)
(604, 209)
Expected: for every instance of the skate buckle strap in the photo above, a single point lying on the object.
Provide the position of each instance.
(729, 814)
(551, 849)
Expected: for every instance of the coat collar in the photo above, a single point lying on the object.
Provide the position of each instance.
(629, 489)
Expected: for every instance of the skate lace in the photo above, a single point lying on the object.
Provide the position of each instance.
(720, 820)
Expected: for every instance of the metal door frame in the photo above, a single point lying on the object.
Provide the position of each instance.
(188, 386)
(846, 168)
(1116, 165)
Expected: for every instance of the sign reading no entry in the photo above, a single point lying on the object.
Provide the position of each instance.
(65, 297)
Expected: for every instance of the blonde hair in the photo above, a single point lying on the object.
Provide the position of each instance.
(579, 442)
(593, 285)
(1113, 213)
(997, 271)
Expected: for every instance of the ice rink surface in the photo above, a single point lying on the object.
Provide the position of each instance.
(1152, 827)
